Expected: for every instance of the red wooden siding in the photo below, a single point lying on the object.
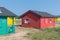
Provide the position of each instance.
(36, 21)
(33, 20)
(45, 22)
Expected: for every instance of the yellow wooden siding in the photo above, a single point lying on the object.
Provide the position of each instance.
(14, 20)
(57, 19)
(9, 20)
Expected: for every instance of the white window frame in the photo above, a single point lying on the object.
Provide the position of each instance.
(0, 11)
(50, 20)
(26, 21)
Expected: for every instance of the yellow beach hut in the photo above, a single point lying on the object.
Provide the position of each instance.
(57, 20)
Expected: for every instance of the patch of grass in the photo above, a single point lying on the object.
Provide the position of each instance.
(45, 34)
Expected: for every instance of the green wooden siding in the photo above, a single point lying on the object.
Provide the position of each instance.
(4, 28)
(3, 25)
(12, 28)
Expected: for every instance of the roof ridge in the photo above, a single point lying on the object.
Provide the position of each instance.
(41, 13)
(6, 12)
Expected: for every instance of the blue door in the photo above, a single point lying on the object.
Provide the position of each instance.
(3, 26)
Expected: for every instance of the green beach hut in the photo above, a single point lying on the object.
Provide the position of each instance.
(6, 21)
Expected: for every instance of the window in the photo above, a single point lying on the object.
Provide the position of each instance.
(50, 20)
(26, 21)
(0, 11)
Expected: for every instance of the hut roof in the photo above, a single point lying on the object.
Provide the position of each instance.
(6, 12)
(42, 14)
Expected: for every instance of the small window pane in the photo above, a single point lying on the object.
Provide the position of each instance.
(26, 21)
(50, 20)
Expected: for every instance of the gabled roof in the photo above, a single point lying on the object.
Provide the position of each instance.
(39, 13)
(6, 12)
(57, 16)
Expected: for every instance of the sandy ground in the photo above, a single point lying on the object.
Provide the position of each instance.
(19, 35)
